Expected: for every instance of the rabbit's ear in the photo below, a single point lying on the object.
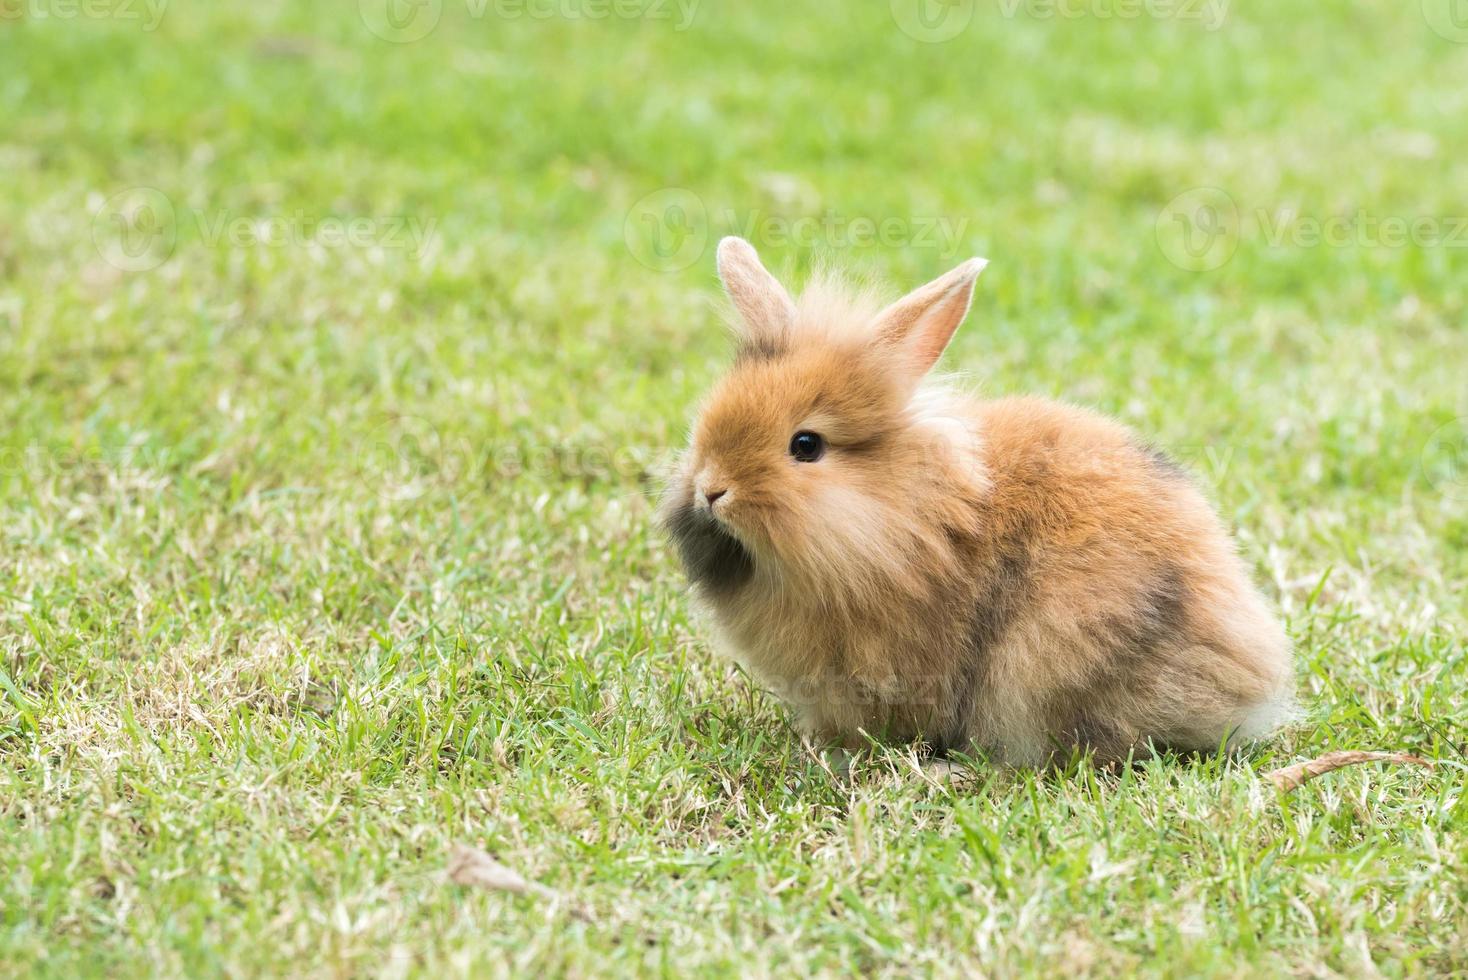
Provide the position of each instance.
(922, 322)
(763, 304)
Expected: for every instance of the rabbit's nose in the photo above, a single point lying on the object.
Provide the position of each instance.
(711, 497)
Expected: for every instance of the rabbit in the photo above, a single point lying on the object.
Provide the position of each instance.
(900, 561)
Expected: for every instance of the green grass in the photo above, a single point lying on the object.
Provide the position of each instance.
(316, 560)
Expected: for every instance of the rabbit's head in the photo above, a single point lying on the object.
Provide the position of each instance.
(821, 463)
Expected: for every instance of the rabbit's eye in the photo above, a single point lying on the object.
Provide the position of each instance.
(807, 447)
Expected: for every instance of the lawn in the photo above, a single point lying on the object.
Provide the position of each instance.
(340, 355)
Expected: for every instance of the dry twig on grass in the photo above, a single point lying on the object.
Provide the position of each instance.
(1293, 777)
(473, 867)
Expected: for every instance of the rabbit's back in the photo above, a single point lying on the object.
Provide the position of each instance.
(1122, 612)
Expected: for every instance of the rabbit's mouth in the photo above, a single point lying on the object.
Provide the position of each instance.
(714, 559)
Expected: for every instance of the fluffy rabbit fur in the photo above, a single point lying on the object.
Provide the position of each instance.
(1018, 575)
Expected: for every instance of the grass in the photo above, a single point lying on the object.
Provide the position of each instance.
(319, 557)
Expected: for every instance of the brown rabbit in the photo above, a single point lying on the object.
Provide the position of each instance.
(902, 561)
